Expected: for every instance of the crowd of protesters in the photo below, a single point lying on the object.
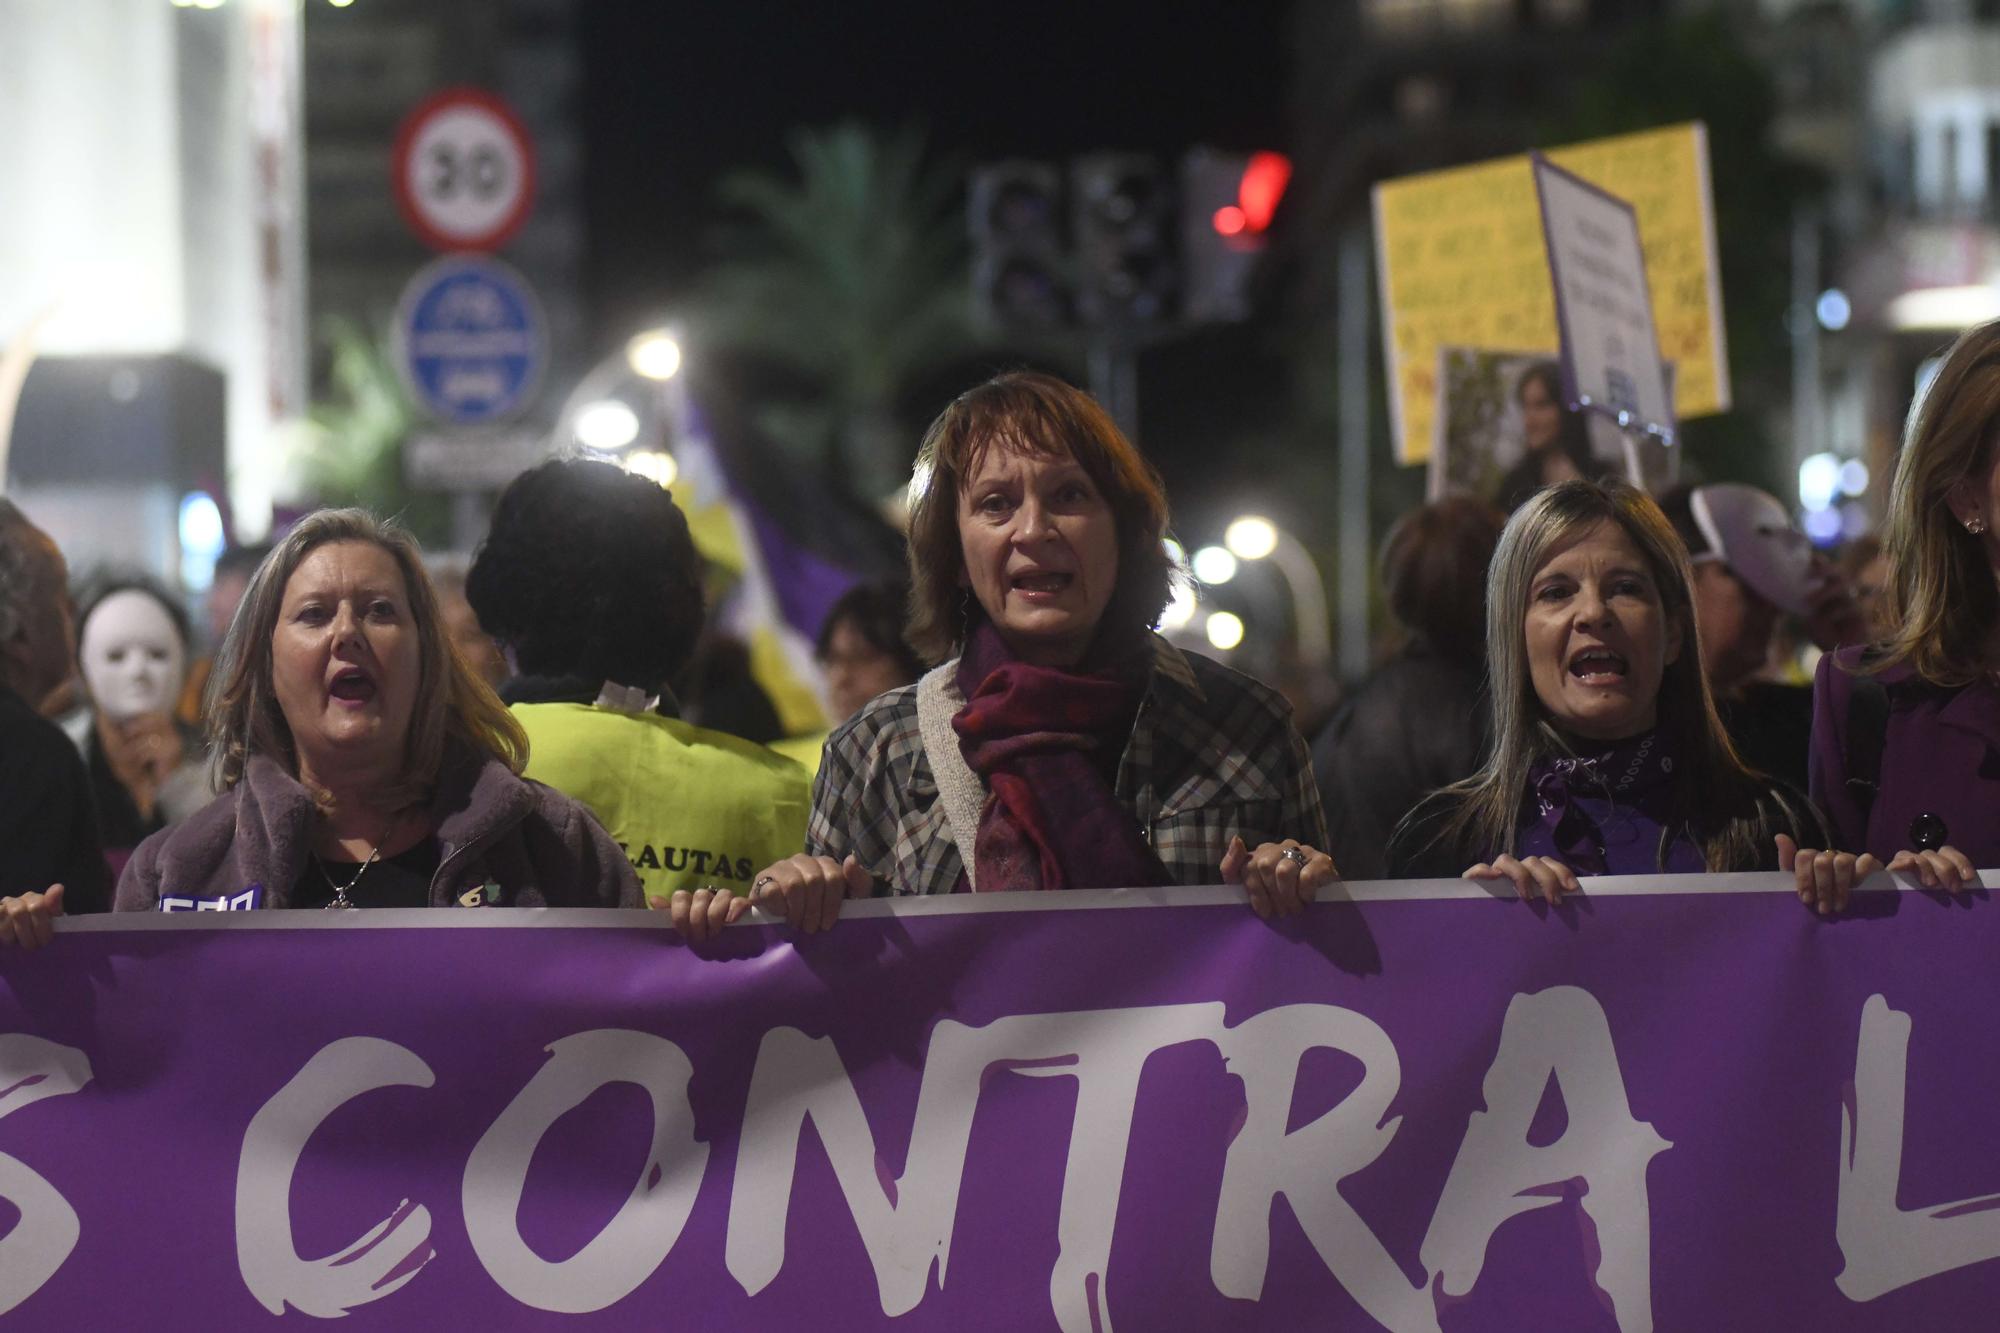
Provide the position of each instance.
(1581, 688)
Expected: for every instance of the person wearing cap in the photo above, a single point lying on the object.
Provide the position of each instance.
(1906, 735)
(1752, 566)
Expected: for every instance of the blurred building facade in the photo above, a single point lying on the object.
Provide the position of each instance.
(152, 266)
(1894, 103)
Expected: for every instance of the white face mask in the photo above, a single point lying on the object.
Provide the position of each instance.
(133, 658)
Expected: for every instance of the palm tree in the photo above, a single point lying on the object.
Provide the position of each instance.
(349, 449)
(850, 279)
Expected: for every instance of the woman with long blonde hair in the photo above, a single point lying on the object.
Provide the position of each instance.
(1607, 754)
(1906, 735)
(362, 763)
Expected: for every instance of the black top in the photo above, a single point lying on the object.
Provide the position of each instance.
(1422, 849)
(402, 880)
(118, 817)
(48, 827)
(1418, 722)
(1770, 725)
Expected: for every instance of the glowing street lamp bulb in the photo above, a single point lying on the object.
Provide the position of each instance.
(654, 355)
(1251, 537)
(1225, 630)
(608, 424)
(653, 465)
(1214, 566)
(1179, 609)
(1819, 481)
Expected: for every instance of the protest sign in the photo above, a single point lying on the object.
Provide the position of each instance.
(1462, 262)
(1683, 1102)
(1610, 356)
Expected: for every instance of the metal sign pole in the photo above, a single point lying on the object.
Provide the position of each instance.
(1355, 556)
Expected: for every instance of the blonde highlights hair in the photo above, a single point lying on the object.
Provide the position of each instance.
(1719, 802)
(1941, 595)
(452, 702)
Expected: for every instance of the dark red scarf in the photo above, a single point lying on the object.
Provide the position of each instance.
(1046, 743)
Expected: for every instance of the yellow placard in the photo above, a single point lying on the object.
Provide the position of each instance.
(1463, 264)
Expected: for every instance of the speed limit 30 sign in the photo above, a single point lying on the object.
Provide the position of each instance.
(465, 172)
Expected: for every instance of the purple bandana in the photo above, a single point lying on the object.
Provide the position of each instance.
(1603, 814)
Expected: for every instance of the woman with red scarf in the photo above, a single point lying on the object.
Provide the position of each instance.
(1060, 743)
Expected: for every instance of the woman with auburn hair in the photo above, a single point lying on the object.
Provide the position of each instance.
(1607, 756)
(362, 762)
(1906, 735)
(1059, 743)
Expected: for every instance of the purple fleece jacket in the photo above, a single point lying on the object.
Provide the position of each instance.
(541, 848)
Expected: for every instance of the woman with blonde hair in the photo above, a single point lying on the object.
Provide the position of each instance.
(1607, 754)
(362, 762)
(1906, 735)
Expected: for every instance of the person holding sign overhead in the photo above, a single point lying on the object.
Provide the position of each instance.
(1608, 758)
(1060, 743)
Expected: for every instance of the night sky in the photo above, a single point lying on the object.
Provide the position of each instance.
(679, 93)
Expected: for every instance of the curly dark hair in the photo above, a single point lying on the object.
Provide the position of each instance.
(589, 570)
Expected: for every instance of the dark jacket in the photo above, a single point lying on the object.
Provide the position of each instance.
(48, 825)
(1419, 721)
(1770, 724)
(541, 848)
(1422, 849)
(1940, 756)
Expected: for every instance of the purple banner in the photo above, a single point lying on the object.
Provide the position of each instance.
(1421, 1110)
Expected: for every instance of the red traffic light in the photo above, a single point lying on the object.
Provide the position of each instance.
(1261, 186)
(1265, 177)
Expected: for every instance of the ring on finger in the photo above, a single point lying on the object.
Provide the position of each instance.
(1296, 855)
(762, 880)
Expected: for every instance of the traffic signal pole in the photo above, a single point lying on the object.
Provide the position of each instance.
(1113, 363)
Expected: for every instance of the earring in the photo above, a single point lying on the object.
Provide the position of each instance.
(1975, 526)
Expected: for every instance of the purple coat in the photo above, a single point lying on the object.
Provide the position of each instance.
(538, 846)
(1941, 757)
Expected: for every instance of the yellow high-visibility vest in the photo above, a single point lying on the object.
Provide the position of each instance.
(689, 806)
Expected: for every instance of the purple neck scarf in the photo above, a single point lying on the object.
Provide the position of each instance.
(1603, 814)
(1046, 741)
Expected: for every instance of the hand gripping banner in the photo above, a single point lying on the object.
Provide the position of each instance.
(1676, 1103)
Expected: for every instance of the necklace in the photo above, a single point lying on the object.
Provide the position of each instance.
(341, 902)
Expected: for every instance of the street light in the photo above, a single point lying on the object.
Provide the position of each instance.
(1214, 566)
(654, 355)
(653, 465)
(606, 424)
(1253, 537)
(1225, 630)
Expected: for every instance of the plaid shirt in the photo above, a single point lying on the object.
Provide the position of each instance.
(1213, 754)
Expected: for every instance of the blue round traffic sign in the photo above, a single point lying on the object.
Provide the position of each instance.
(470, 340)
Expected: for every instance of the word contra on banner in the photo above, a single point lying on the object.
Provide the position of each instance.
(1558, 1034)
(1676, 1110)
